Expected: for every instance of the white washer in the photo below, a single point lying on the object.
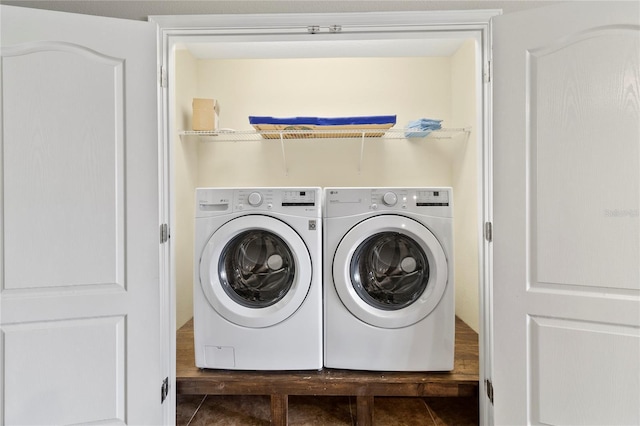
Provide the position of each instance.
(388, 294)
(258, 278)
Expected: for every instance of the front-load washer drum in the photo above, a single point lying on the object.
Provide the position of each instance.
(390, 271)
(255, 271)
(256, 268)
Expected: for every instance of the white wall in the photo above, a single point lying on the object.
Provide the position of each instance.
(410, 88)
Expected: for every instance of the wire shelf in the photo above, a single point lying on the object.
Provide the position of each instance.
(286, 135)
(254, 135)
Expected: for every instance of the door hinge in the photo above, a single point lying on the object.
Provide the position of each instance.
(487, 73)
(488, 231)
(164, 390)
(489, 388)
(315, 29)
(163, 76)
(164, 233)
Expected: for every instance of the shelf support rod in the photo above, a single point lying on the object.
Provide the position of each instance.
(361, 152)
(284, 157)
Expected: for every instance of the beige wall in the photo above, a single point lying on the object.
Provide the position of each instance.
(466, 186)
(185, 167)
(410, 88)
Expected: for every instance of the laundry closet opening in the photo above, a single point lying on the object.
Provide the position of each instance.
(412, 76)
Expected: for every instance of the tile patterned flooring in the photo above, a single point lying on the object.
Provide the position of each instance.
(246, 410)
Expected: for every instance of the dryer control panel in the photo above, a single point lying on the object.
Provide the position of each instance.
(353, 201)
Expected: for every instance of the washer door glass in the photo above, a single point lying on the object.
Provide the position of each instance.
(389, 271)
(255, 271)
(256, 268)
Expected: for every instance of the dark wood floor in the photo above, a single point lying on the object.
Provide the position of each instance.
(363, 386)
(305, 410)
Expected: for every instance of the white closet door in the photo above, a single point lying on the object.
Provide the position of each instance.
(566, 311)
(80, 294)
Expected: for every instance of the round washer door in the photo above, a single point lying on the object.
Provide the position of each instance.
(255, 271)
(390, 271)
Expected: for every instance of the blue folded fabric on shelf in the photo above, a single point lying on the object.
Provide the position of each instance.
(422, 127)
(324, 121)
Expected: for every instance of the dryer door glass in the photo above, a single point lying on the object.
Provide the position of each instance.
(256, 269)
(389, 271)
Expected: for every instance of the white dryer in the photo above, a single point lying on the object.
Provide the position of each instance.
(258, 278)
(388, 294)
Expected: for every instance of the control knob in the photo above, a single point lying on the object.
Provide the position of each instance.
(389, 199)
(255, 199)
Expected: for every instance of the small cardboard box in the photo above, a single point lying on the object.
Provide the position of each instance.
(205, 114)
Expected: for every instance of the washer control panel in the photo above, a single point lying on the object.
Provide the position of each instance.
(432, 198)
(299, 198)
(295, 201)
(350, 201)
(395, 199)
